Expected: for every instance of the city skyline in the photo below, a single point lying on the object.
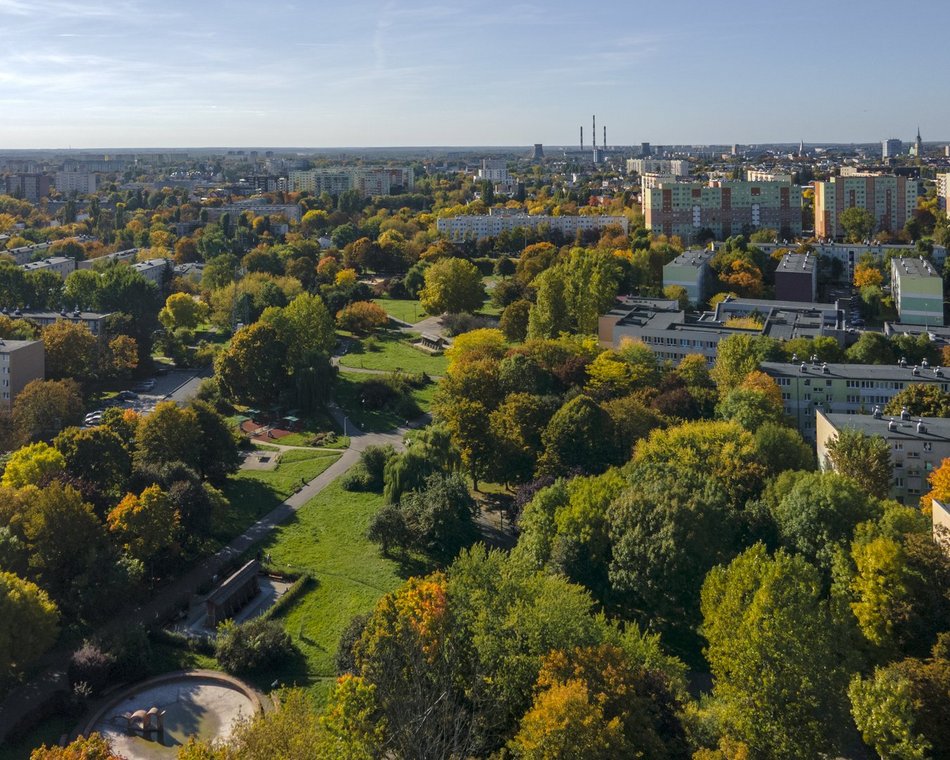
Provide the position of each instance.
(126, 74)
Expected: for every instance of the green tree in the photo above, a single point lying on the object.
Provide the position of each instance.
(305, 327)
(97, 455)
(145, 524)
(514, 320)
(452, 285)
(884, 712)
(858, 223)
(921, 400)
(777, 680)
(32, 465)
(253, 369)
(549, 316)
(169, 434)
(580, 434)
(866, 459)
(871, 348)
(738, 355)
(182, 311)
(751, 408)
(218, 454)
(28, 622)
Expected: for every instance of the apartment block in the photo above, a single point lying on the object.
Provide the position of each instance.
(847, 255)
(61, 265)
(154, 270)
(723, 207)
(844, 388)
(943, 190)
(891, 148)
(21, 361)
(917, 289)
(95, 321)
(82, 183)
(28, 186)
(890, 199)
(691, 270)
(490, 225)
(796, 278)
(672, 167)
(493, 170)
(291, 211)
(755, 175)
(917, 446)
(369, 181)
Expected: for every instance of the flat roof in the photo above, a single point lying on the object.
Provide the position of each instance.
(892, 426)
(797, 263)
(6, 346)
(692, 258)
(913, 267)
(859, 371)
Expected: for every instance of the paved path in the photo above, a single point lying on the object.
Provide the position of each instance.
(52, 674)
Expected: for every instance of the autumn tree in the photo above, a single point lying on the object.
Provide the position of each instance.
(253, 368)
(92, 747)
(866, 459)
(97, 455)
(921, 400)
(452, 285)
(182, 311)
(514, 320)
(169, 434)
(867, 275)
(28, 622)
(777, 679)
(71, 350)
(44, 407)
(579, 435)
(737, 356)
(145, 524)
(362, 317)
(32, 465)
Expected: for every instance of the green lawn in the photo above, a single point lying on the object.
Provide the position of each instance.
(328, 538)
(406, 310)
(254, 493)
(393, 351)
(347, 395)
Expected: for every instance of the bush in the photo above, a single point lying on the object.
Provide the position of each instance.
(252, 645)
(357, 479)
(345, 661)
(90, 665)
(362, 317)
(374, 459)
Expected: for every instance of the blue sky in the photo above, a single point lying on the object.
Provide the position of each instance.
(125, 73)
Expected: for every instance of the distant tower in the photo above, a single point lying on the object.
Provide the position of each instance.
(605, 137)
(801, 148)
(919, 144)
(582, 137)
(594, 132)
(538, 153)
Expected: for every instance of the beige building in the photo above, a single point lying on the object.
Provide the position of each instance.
(20, 362)
(891, 201)
(940, 517)
(917, 445)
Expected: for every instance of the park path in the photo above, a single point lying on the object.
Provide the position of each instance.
(51, 676)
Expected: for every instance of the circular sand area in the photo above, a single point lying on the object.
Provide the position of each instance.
(197, 703)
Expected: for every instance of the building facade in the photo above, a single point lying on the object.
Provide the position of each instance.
(796, 278)
(673, 167)
(891, 148)
(490, 225)
(917, 446)
(369, 181)
(21, 362)
(844, 388)
(28, 186)
(83, 183)
(61, 265)
(723, 208)
(917, 290)
(691, 270)
(943, 190)
(890, 199)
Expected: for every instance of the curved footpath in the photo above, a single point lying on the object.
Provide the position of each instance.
(23, 700)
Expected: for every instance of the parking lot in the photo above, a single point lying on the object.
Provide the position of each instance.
(179, 386)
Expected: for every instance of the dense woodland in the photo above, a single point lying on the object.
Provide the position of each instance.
(684, 583)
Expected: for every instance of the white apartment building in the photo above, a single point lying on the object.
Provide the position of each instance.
(491, 225)
(670, 166)
(61, 265)
(493, 170)
(83, 183)
(753, 175)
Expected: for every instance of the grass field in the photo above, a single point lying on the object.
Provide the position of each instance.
(328, 538)
(392, 352)
(407, 310)
(254, 493)
(347, 395)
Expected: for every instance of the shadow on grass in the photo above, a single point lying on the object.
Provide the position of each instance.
(250, 501)
(291, 670)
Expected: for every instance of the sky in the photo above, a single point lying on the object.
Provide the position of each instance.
(349, 73)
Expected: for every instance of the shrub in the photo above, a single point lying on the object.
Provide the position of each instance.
(90, 665)
(357, 478)
(362, 317)
(456, 324)
(251, 645)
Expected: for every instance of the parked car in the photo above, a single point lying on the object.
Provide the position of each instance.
(127, 395)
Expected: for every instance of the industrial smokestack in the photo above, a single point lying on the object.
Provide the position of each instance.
(605, 137)
(582, 137)
(594, 132)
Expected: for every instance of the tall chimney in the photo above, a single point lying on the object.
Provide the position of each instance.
(582, 137)
(594, 138)
(605, 137)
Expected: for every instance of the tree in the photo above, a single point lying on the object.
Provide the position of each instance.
(145, 524)
(218, 454)
(871, 348)
(71, 350)
(737, 356)
(44, 407)
(858, 223)
(921, 400)
(452, 285)
(29, 622)
(884, 712)
(867, 275)
(97, 455)
(777, 680)
(168, 434)
(182, 311)
(253, 368)
(255, 644)
(514, 320)
(677, 293)
(34, 464)
(549, 316)
(306, 328)
(120, 357)
(362, 317)
(750, 408)
(578, 435)
(866, 459)
(516, 426)
(92, 747)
